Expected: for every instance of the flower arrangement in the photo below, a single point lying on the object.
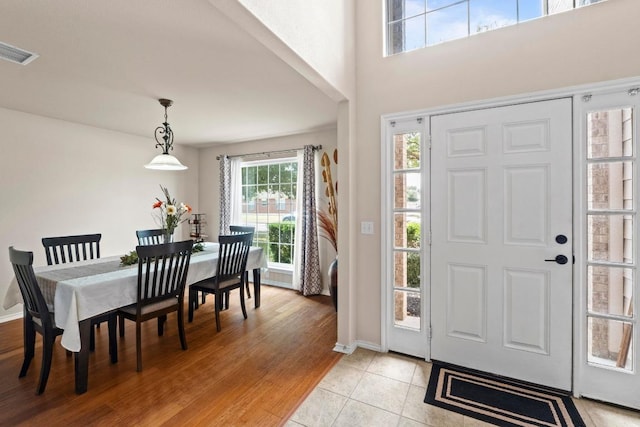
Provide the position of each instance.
(171, 213)
(328, 220)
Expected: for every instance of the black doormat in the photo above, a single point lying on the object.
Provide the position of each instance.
(498, 400)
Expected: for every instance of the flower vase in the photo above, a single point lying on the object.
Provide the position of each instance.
(333, 286)
(168, 235)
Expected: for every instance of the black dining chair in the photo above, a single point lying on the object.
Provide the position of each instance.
(239, 229)
(232, 263)
(150, 237)
(37, 316)
(162, 275)
(66, 249)
(63, 249)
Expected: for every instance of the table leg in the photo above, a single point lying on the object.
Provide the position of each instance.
(82, 357)
(256, 287)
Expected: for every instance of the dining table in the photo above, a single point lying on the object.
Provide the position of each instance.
(82, 290)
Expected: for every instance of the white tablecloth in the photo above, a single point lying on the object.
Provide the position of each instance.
(85, 289)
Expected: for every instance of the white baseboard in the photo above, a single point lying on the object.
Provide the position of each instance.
(348, 349)
(10, 317)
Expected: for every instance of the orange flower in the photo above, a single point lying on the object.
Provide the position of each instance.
(157, 204)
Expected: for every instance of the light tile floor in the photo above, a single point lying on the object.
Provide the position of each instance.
(371, 389)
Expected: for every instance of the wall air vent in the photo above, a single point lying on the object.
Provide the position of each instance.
(15, 54)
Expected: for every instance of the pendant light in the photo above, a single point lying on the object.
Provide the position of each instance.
(164, 139)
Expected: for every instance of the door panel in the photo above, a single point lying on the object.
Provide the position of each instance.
(501, 192)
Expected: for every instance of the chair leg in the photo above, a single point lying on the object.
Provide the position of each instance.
(191, 304)
(218, 306)
(204, 297)
(92, 338)
(227, 294)
(244, 308)
(183, 338)
(47, 351)
(138, 346)
(121, 323)
(161, 321)
(113, 342)
(29, 334)
(246, 282)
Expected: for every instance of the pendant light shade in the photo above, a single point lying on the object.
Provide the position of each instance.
(165, 162)
(164, 139)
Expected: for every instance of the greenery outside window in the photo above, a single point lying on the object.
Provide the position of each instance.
(268, 202)
(413, 24)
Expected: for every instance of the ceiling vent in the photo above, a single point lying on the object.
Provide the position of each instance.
(17, 55)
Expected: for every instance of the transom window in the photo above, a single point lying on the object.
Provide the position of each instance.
(413, 24)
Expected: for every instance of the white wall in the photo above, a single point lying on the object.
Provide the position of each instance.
(591, 44)
(209, 177)
(59, 178)
(318, 31)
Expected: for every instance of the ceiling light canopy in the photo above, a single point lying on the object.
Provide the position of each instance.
(164, 139)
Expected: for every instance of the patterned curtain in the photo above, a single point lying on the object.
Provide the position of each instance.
(225, 194)
(309, 258)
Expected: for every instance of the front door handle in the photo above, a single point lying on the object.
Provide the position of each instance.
(560, 259)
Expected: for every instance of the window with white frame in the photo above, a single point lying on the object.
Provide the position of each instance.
(413, 24)
(268, 202)
(611, 218)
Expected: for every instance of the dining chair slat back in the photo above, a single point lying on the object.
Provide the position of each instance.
(232, 263)
(162, 275)
(66, 249)
(150, 237)
(37, 316)
(238, 229)
(63, 249)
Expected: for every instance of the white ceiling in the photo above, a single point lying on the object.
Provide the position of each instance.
(106, 63)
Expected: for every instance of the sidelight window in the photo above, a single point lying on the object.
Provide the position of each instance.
(611, 219)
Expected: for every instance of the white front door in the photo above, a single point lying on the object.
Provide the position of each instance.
(501, 255)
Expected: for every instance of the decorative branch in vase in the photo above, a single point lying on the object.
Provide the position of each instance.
(328, 220)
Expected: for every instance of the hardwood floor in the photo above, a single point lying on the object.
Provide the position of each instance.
(254, 372)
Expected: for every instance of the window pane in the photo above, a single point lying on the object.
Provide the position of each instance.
(406, 230)
(529, 9)
(399, 9)
(406, 269)
(610, 133)
(610, 290)
(406, 151)
(488, 15)
(407, 309)
(268, 201)
(610, 186)
(447, 24)
(556, 6)
(406, 190)
(610, 343)
(609, 238)
(407, 35)
(438, 4)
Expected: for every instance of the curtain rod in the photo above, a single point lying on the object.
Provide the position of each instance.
(267, 153)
